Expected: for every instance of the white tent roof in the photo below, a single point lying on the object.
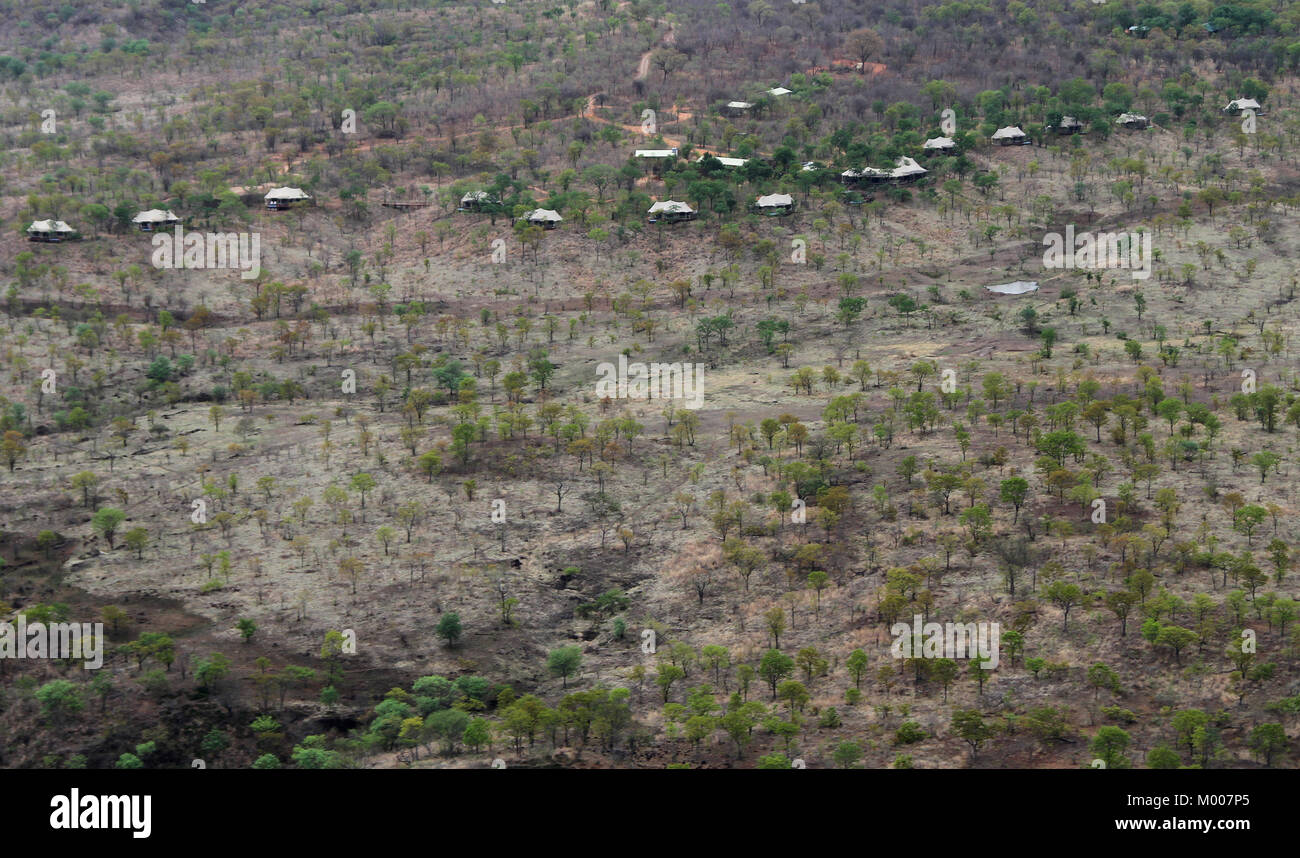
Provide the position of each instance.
(809, 166)
(1130, 117)
(772, 200)
(1019, 287)
(544, 215)
(903, 168)
(865, 171)
(780, 90)
(1011, 132)
(50, 226)
(939, 143)
(727, 162)
(1069, 122)
(656, 153)
(1243, 104)
(476, 197)
(670, 206)
(907, 167)
(287, 194)
(739, 105)
(155, 216)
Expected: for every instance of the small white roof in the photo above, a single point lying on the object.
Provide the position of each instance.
(656, 153)
(286, 194)
(772, 200)
(1125, 118)
(671, 207)
(809, 166)
(50, 226)
(939, 143)
(1243, 104)
(1069, 122)
(155, 216)
(727, 162)
(476, 197)
(1010, 132)
(544, 215)
(780, 90)
(739, 105)
(1019, 287)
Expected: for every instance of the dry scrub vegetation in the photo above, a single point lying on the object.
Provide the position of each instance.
(369, 509)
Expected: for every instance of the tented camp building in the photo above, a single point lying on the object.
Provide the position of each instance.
(477, 201)
(283, 198)
(1011, 135)
(1132, 120)
(670, 211)
(724, 160)
(939, 144)
(1068, 125)
(545, 218)
(154, 219)
(905, 170)
(774, 204)
(656, 158)
(49, 230)
(1240, 105)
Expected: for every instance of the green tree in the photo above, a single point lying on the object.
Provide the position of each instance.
(847, 754)
(857, 666)
(564, 662)
(59, 699)
(1109, 745)
(449, 629)
(1266, 740)
(774, 667)
(971, 728)
(107, 520)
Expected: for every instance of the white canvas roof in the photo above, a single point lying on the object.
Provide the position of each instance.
(728, 162)
(739, 105)
(773, 200)
(1019, 287)
(1069, 122)
(1125, 118)
(1011, 132)
(656, 153)
(155, 216)
(670, 206)
(286, 194)
(1243, 104)
(809, 166)
(543, 215)
(907, 167)
(50, 226)
(903, 168)
(476, 197)
(939, 143)
(865, 171)
(780, 90)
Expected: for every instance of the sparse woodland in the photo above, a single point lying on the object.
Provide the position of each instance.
(366, 508)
